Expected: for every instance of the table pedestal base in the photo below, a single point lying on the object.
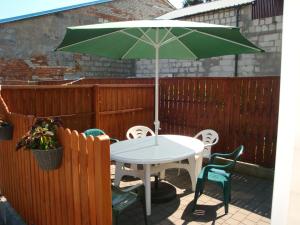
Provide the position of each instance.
(164, 192)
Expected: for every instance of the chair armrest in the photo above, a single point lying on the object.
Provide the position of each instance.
(223, 155)
(113, 140)
(209, 144)
(132, 188)
(216, 166)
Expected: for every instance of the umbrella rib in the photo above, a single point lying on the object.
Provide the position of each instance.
(224, 39)
(174, 37)
(180, 42)
(168, 32)
(133, 46)
(137, 38)
(189, 50)
(147, 36)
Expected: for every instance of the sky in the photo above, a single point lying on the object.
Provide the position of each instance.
(177, 3)
(13, 8)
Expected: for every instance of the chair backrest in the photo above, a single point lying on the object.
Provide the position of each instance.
(94, 132)
(232, 156)
(209, 137)
(139, 132)
(235, 155)
(237, 152)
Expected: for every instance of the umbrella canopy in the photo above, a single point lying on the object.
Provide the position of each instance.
(156, 39)
(138, 39)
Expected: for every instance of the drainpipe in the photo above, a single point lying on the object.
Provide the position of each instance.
(236, 60)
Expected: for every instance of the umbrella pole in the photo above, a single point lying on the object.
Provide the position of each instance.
(156, 121)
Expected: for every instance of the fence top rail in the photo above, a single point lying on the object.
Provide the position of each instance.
(41, 87)
(223, 78)
(129, 82)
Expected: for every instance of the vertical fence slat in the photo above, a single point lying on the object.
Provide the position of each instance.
(91, 180)
(75, 176)
(83, 179)
(102, 180)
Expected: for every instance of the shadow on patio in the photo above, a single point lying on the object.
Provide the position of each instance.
(251, 203)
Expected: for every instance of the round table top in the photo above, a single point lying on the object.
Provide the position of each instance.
(170, 148)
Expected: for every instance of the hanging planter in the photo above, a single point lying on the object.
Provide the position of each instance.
(6, 130)
(42, 140)
(48, 159)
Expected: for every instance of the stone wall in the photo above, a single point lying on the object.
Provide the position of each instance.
(265, 33)
(26, 46)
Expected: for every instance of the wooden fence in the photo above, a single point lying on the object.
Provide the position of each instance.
(78, 193)
(267, 8)
(111, 107)
(242, 110)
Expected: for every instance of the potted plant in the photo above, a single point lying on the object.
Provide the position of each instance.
(42, 140)
(6, 130)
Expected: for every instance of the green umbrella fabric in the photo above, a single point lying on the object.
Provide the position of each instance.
(137, 40)
(156, 39)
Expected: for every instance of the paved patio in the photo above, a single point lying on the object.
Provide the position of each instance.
(251, 203)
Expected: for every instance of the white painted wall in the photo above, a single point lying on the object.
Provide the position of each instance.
(286, 195)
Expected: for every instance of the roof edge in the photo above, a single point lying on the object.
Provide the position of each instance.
(192, 10)
(51, 11)
(170, 4)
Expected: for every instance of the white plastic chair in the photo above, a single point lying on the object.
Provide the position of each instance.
(132, 133)
(139, 132)
(209, 137)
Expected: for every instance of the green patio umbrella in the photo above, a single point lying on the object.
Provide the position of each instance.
(156, 39)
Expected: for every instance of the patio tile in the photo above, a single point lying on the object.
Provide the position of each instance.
(254, 217)
(263, 223)
(267, 220)
(251, 203)
(232, 221)
(248, 222)
(239, 216)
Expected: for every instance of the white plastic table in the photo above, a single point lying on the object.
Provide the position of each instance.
(170, 150)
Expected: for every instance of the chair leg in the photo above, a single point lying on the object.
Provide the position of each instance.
(226, 193)
(229, 190)
(178, 172)
(115, 218)
(198, 193)
(118, 173)
(162, 174)
(156, 182)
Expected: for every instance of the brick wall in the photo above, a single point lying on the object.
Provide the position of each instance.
(26, 46)
(265, 33)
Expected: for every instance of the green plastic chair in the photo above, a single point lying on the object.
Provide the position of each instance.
(122, 198)
(219, 174)
(96, 132)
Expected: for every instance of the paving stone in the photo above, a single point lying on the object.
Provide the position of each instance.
(248, 222)
(260, 222)
(232, 221)
(239, 216)
(254, 217)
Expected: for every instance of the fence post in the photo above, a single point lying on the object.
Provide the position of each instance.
(96, 105)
